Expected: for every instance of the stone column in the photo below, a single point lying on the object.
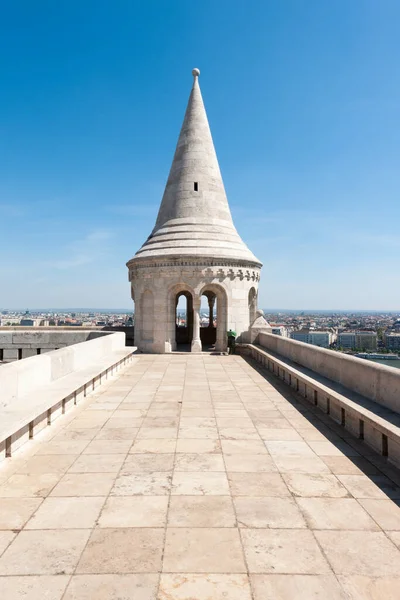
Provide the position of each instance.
(211, 303)
(196, 341)
(189, 317)
(221, 341)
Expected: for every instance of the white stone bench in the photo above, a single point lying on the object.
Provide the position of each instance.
(35, 391)
(374, 424)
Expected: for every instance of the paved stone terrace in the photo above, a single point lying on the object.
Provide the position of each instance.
(195, 477)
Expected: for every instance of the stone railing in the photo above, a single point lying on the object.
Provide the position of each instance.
(17, 343)
(367, 409)
(35, 391)
(373, 381)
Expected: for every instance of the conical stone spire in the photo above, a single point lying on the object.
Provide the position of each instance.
(194, 219)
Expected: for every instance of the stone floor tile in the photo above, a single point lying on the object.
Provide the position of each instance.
(142, 484)
(243, 422)
(242, 447)
(312, 435)
(272, 434)
(262, 512)
(63, 447)
(289, 448)
(342, 465)
(361, 486)
(76, 434)
(37, 587)
(98, 463)
(148, 463)
(153, 433)
(15, 512)
(238, 433)
(327, 448)
(296, 587)
(283, 551)
(201, 511)
(177, 586)
(66, 513)
(192, 550)
(57, 464)
(123, 423)
(312, 485)
(230, 413)
(199, 483)
(368, 553)
(91, 424)
(385, 512)
(6, 537)
(112, 587)
(160, 422)
(199, 462)
(249, 463)
(79, 484)
(100, 406)
(139, 551)
(193, 433)
(44, 552)
(360, 587)
(257, 484)
(154, 446)
(108, 447)
(123, 433)
(335, 513)
(29, 485)
(300, 464)
(134, 413)
(270, 423)
(197, 422)
(198, 446)
(135, 511)
(197, 412)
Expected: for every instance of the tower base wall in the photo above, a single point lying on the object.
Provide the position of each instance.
(156, 289)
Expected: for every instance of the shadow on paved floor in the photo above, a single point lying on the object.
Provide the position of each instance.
(377, 468)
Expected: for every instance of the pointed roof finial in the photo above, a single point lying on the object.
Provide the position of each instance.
(196, 72)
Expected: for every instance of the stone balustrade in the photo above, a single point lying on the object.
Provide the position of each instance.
(375, 382)
(372, 417)
(35, 391)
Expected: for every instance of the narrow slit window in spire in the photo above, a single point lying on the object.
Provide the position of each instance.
(196, 186)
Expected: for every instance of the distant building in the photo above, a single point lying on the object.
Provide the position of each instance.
(279, 330)
(30, 322)
(323, 339)
(301, 335)
(392, 341)
(364, 340)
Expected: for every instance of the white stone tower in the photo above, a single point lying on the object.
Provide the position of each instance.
(193, 250)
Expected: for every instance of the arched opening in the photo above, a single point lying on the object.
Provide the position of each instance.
(252, 305)
(183, 320)
(208, 319)
(218, 316)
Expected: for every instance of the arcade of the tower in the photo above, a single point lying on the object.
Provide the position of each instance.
(231, 291)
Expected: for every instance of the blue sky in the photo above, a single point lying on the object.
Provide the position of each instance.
(303, 102)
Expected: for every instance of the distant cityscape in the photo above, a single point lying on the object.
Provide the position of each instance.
(351, 332)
